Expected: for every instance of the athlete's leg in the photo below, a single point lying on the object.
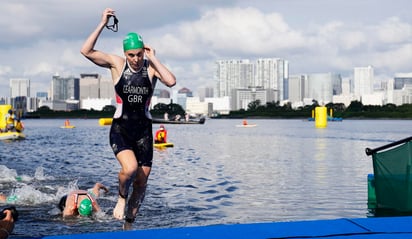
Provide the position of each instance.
(127, 174)
(137, 196)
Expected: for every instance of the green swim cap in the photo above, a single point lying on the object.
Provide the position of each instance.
(85, 207)
(132, 41)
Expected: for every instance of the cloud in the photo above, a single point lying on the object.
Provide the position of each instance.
(17, 22)
(226, 32)
(394, 60)
(331, 46)
(44, 37)
(5, 70)
(393, 31)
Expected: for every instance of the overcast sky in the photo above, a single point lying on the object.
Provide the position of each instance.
(40, 38)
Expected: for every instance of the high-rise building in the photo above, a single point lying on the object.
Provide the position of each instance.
(233, 74)
(42, 95)
(20, 95)
(94, 86)
(241, 98)
(363, 81)
(19, 87)
(401, 80)
(238, 76)
(273, 73)
(89, 86)
(322, 86)
(266, 73)
(205, 92)
(296, 88)
(65, 88)
(399, 89)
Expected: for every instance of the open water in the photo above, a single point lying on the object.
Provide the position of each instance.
(217, 173)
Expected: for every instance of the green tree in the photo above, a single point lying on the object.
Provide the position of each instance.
(355, 106)
(171, 109)
(253, 106)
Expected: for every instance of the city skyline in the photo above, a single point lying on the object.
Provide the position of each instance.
(174, 89)
(244, 86)
(314, 36)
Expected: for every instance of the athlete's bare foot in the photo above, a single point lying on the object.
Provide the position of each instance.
(118, 211)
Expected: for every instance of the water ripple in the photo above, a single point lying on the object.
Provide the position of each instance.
(282, 170)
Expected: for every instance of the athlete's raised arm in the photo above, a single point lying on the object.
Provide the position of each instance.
(98, 57)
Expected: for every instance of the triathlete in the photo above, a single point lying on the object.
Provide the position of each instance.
(131, 139)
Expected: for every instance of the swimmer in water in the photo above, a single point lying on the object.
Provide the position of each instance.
(81, 202)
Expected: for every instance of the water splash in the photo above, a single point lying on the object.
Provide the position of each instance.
(8, 175)
(39, 174)
(28, 195)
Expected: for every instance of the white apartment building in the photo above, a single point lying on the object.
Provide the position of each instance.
(241, 98)
(96, 104)
(95, 86)
(19, 87)
(296, 88)
(195, 107)
(272, 73)
(95, 91)
(322, 86)
(233, 74)
(399, 89)
(20, 95)
(363, 80)
(220, 105)
(244, 82)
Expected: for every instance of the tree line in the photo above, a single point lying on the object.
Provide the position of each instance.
(355, 110)
(255, 109)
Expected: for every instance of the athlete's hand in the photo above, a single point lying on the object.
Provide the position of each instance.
(150, 52)
(107, 13)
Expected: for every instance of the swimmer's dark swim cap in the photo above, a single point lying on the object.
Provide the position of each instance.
(132, 41)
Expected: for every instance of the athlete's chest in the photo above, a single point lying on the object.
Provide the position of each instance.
(135, 87)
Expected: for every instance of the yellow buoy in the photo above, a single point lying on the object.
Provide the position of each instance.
(105, 121)
(321, 117)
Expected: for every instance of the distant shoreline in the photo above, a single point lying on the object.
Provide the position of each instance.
(93, 114)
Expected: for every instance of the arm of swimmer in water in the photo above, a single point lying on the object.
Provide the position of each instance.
(97, 187)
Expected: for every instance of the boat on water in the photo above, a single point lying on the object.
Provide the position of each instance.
(12, 135)
(201, 120)
(108, 121)
(246, 125)
(163, 145)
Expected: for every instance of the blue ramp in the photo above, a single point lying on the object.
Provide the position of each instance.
(363, 228)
